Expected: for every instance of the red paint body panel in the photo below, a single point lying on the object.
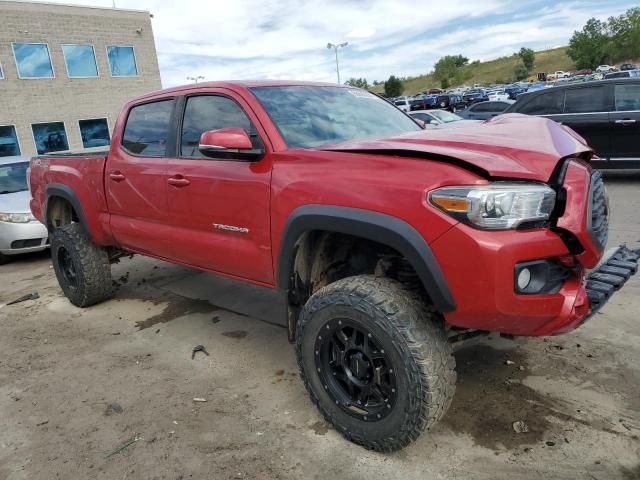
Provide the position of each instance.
(167, 207)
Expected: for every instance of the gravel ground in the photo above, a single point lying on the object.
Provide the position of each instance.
(108, 392)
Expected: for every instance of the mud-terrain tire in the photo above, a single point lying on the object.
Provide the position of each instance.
(401, 329)
(82, 268)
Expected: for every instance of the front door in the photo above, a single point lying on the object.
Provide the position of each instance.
(135, 179)
(220, 207)
(625, 122)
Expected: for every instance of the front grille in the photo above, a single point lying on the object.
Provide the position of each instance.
(598, 210)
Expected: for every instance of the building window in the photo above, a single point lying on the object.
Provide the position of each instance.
(80, 61)
(1, 72)
(50, 137)
(33, 60)
(122, 61)
(94, 132)
(9, 144)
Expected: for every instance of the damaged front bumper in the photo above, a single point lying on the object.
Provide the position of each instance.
(609, 277)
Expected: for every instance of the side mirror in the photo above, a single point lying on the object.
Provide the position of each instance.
(231, 142)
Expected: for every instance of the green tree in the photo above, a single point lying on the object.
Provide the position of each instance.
(520, 71)
(448, 66)
(357, 82)
(393, 87)
(444, 83)
(589, 47)
(527, 56)
(624, 31)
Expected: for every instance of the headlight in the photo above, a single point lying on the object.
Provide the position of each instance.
(497, 206)
(17, 217)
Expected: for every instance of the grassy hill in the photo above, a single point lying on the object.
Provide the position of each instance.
(494, 71)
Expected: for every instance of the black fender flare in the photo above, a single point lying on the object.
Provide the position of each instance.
(64, 191)
(379, 227)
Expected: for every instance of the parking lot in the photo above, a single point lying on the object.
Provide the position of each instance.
(108, 392)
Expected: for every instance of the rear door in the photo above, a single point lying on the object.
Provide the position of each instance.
(586, 110)
(221, 213)
(135, 179)
(625, 121)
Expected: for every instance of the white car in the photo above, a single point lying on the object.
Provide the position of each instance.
(498, 95)
(561, 74)
(403, 104)
(606, 68)
(20, 232)
(433, 118)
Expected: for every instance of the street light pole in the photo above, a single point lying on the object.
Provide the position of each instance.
(335, 48)
(195, 79)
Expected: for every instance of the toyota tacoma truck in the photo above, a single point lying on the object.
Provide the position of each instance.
(390, 244)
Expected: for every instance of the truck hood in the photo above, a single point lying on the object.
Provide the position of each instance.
(17, 202)
(507, 146)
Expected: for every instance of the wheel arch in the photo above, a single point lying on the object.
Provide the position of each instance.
(57, 197)
(365, 224)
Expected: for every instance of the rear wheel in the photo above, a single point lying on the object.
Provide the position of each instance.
(82, 268)
(375, 361)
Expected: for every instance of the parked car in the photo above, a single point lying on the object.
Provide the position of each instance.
(584, 71)
(474, 96)
(450, 102)
(438, 117)
(403, 103)
(561, 74)
(623, 74)
(422, 102)
(484, 110)
(313, 199)
(498, 95)
(628, 66)
(606, 68)
(20, 232)
(605, 112)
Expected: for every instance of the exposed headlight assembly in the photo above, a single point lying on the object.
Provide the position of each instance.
(498, 205)
(17, 217)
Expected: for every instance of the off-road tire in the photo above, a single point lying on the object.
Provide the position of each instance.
(416, 342)
(91, 264)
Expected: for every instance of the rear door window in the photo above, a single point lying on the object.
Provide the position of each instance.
(627, 97)
(586, 100)
(548, 103)
(148, 129)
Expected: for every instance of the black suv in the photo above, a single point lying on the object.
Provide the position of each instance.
(606, 113)
(451, 102)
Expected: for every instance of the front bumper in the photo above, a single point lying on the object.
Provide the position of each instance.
(18, 238)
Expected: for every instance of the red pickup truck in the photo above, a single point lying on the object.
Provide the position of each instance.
(390, 243)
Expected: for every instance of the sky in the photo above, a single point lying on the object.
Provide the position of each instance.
(287, 39)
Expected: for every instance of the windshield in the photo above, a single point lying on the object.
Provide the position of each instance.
(13, 177)
(445, 117)
(312, 116)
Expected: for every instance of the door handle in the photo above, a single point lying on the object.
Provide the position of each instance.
(116, 176)
(178, 181)
(626, 121)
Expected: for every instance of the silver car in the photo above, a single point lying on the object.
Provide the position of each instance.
(20, 232)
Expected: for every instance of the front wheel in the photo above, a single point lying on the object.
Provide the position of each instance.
(375, 361)
(82, 268)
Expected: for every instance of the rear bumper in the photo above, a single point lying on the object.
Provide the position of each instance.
(18, 238)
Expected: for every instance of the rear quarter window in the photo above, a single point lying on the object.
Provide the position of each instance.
(547, 103)
(147, 129)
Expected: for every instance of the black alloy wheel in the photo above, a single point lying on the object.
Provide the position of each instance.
(355, 370)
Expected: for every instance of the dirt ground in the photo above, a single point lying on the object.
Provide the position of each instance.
(108, 392)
